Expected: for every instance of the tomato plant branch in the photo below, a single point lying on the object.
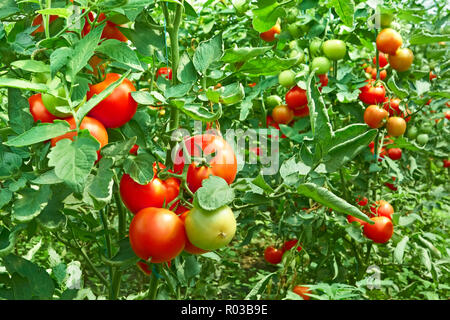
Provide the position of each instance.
(153, 287)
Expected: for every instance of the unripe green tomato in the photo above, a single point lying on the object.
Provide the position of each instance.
(293, 45)
(287, 78)
(440, 164)
(334, 49)
(322, 63)
(295, 30)
(40, 77)
(210, 230)
(426, 127)
(315, 47)
(118, 18)
(422, 138)
(386, 19)
(297, 54)
(51, 102)
(273, 101)
(292, 15)
(412, 132)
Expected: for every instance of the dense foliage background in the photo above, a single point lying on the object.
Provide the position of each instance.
(64, 228)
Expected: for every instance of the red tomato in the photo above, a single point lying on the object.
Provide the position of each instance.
(323, 79)
(446, 163)
(271, 123)
(157, 233)
(296, 98)
(164, 71)
(382, 209)
(362, 201)
(38, 110)
(395, 153)
(110, 30)
(371, 94)
(388, 41)
(383, 74)
(273, 255)
(134, 149)
(223, 164)
(38, 21)
(302, 112)
(269, 35)
(381, 231)
(282, 114)
(375, 116)
(145, 268)
(95, 128)
(288, 245)
(393, 108)
(251, 85)
(447, 115)
(302, 292)
(156, 193)
(382, 60)
(189, 247)
(432, 75)
(116, 109)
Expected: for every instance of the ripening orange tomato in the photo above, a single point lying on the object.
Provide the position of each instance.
(388, 41)
(269, 35)
(282, 114)
(402, 59)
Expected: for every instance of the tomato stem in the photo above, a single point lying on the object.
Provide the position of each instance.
(153, 287)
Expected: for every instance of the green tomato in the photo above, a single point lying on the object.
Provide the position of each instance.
(422, 138)
(334, 49)
(40, 77)
(241, 6)
(295, 30)
(293, 45)
(51, 102)
(426, 127)
(287, 78)
(322, 63)
(292, 15)
(412, 132)
(386, 19)
(210, 230)
(118, 18)
(273, 101)
(440, 164)
(315, 47)
(297, 54)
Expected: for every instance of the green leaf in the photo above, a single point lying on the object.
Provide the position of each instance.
(59, 58)
(186, 72)
(35, 279)
(345, 10)
(48, 177)
(178, 91)
(266, 16)
(425, 258)
(31, 65)
(267, 66)
(83, 51)
(60, 12)
(400, 92)
(8, 238)
(199, 112)
(259, 288)
(434, 251)
(118, 149)
(424, 38)
(73, 160)
(400, 250)
(42, 132)
(31, 203)
(19, 115)
(260, 182)
(232, 93)
(99, 188)
(330, 200)
(124, 258)
(51, 217)
(140, 168)
(120, 52)
(208, 52)
(243, 54)
(22, 84)
(214, 194)
(7, 8)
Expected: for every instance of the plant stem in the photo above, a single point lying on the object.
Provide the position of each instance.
(153, 288)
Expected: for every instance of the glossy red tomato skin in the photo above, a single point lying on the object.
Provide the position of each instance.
(116, 109)
(282, 114)
(396, 126)
(156, 193)
(382, 60)
(273, 255)
(374, 116)
(189, 247)
(323, 79)
(382, 208)
(296, 98)
(432, 76)
(224, 163)
(95, 128)
(383, 74)
(447, 115)
(164, 71)
(362, 201)
(381, 231)
(134, 149)
(110, 30)
(446, 163)
(38, 110)
(393, 108)
(157, 233)
(302, 112)
(371, 94)
(395, 153)
(388, 41)
(302, 291)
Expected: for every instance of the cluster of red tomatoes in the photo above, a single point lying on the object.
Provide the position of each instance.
(381, 213)
(161, 234)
